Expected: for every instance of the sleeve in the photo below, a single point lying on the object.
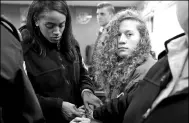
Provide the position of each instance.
(113, 111)
(85, 80)
(49, 105)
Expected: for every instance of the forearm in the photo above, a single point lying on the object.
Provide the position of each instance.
(112, 110)
(50, 105)
(85, 80)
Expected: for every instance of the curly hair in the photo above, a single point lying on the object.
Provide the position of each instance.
(110, 71)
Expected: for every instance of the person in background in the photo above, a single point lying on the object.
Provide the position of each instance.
(19, 103)
(105, 12)
(54, 63)
(125, 56)
(162, 96)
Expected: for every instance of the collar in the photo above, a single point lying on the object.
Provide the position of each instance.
(177, 55)
(172, 39)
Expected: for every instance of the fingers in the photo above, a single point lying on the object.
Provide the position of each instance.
(82, 107)
(82, 120)
(86, 106)
(81, 110)
(101, 103)
(78, 112)
(91, 107)
(97, 103)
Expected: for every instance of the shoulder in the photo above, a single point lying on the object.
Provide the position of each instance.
(27, 39)
(143, 68)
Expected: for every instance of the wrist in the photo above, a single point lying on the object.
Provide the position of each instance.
(85, 90)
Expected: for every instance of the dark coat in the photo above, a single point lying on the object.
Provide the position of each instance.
(137, 75)
(17, 98)
(56, 80)
(131, 107)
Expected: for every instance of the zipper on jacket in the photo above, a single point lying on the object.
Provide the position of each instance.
(67, 82)
(62, 66)
(60, 58)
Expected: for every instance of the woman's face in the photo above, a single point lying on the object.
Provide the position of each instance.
(129, 37)
(52, 25)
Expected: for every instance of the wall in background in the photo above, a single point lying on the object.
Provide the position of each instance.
(165, 26)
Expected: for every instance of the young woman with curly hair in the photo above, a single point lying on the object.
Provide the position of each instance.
(123, 55)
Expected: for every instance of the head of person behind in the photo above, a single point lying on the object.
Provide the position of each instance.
(126, 47)
(49, 25)
(105, 11)
(182, 15)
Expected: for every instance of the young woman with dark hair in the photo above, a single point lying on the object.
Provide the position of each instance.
(54, 63)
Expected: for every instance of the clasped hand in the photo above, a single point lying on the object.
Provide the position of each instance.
(90, 99)
(70, 111)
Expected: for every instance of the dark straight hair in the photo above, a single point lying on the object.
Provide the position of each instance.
(67, 42)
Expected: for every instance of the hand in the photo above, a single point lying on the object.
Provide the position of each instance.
(70, 111)
(90, 99)
(81, 120)
(83, 107)
(88, 114)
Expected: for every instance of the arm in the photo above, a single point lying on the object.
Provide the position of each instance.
(49, 105)
(87, 86)
(114, 110)
(55, 107)
(85, 81)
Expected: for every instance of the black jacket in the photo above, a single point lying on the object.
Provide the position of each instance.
(131, 107)
(55, 79)
(17, 98)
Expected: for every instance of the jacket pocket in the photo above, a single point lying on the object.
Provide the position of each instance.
(50, 80)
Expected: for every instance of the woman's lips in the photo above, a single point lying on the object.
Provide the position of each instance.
(55, 38)
(122, 48)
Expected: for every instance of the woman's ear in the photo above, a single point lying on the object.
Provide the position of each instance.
(36, 23)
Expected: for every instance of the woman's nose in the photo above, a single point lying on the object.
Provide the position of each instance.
(56, 31)
(122, 39)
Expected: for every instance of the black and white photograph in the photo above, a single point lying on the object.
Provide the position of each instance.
(66, 61)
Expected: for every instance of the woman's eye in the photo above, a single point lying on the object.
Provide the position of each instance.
(129, 35)
(62, 25)
(50, 26)
(119, 34)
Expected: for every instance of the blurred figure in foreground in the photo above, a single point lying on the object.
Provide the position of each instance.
(18, 100)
